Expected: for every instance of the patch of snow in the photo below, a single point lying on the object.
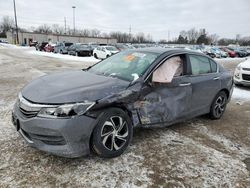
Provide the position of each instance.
(36, 73)
(4, 45)
(65, 57)
(230, 60)
(241, 93)
(216, 168)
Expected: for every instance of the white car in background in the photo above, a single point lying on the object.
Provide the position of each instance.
(103, 52)
(242, 73)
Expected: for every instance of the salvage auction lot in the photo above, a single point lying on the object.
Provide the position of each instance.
(196, 153)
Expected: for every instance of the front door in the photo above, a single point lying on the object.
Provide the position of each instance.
(164, 102)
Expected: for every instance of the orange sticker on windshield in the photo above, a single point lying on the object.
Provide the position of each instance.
(129, 58)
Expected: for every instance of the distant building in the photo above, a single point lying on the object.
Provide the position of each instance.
(26, 37)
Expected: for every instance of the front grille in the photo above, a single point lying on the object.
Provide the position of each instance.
(246, 77)
(246, 69)
(28, 114)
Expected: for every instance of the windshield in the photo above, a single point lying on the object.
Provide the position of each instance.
(111, 48)
(127, 65)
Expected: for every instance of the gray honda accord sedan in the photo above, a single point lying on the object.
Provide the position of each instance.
(72, 113)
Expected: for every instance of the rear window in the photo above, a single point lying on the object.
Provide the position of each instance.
(68, 44)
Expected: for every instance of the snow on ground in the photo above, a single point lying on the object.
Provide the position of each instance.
(241, 93)
(230, 60)
(4, 45)
(66, 57)
(196, 153)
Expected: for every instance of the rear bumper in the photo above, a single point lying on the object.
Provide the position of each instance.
(62, 137)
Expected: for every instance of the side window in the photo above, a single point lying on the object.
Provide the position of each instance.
(199, 65)
(213, 66)
(172, 67)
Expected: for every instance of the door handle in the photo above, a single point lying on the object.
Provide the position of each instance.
(216, 78)
(184, 84)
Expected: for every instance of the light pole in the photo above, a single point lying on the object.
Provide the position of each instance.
(73, 7)
(17, 39)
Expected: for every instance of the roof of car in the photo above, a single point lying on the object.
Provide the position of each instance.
(160, 50)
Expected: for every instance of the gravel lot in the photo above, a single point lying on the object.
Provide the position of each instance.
(196, 153)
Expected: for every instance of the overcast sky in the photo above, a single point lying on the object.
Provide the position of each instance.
(224, 17)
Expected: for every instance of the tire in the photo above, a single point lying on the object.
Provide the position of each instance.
(61, 52)
(112, 134)
(77, 54)
(107, 56)
(95, 56)
(218, 106)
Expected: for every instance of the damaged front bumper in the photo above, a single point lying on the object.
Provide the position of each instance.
(67, 137)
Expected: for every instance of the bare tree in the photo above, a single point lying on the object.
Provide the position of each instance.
(6, 24)
(192, 35)
(57, 29)
(44, 29)
(213, 38)
(95, 33)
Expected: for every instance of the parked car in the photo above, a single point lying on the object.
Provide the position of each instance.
(3, 41)
(102, 52)
(220, 53)
(121, 47)
(79, 49)
(71, 112)
(210, 52)
(40, 46)
(238, 52)
(92, 47)
(242, 74)
(49, 47)
(230, 53)
(33, 43)
(62, 47)
(245, 50)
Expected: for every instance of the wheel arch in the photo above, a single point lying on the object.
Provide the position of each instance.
(226, 91)
(98, 111)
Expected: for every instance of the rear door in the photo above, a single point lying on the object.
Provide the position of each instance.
(205, 81)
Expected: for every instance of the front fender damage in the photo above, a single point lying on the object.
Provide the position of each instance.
(124, 99)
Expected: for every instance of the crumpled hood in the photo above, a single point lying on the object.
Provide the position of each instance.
(71, 86)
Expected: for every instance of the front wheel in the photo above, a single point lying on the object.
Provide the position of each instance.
(218, 106)
(112, 133)
(95, 55)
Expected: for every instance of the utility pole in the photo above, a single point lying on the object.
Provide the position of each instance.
(168, 35)
(73, 7)
(65, 29)
(17, 39)
(130, 33)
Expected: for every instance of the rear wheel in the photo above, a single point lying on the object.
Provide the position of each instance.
(219, 105)
(107, 56)
(112, 133)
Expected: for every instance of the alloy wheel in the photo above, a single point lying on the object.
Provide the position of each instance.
(220, 105)
(114, 133)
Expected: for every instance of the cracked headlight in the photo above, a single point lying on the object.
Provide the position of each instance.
(66, 110)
